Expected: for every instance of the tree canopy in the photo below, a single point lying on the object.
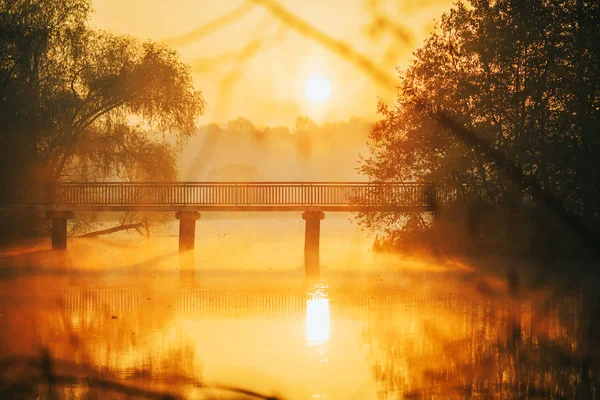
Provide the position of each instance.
(79, 104)
(522, 75)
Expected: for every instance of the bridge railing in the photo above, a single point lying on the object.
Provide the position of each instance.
(231, 193)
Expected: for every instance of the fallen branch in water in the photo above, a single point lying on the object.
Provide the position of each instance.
(112, 230)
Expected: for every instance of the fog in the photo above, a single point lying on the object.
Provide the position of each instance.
(243, 151)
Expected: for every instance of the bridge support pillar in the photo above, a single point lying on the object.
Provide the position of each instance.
(187, 229)
(312, 235)
(59, 228)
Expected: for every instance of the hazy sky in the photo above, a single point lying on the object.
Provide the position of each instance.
(256, 67)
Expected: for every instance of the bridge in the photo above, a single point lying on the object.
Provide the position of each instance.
(61, 200)
(225, 196)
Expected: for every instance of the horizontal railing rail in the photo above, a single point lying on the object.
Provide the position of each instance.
(412, 194)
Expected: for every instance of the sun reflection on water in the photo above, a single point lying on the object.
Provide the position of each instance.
(317, 314)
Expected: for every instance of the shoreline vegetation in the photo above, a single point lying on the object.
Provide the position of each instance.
(526, 246)
(503, 96)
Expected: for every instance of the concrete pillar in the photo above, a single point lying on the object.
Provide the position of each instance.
(187, 229)
(59, 228)
(312, 236)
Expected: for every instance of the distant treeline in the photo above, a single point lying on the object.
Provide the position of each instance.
(239, 150)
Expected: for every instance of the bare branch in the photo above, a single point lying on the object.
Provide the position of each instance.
(215, 24)
(338, 47)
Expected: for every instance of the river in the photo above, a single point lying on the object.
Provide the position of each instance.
(121, 316)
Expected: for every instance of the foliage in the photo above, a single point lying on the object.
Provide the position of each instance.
(78, 104)
(81, 104)
(523, 76)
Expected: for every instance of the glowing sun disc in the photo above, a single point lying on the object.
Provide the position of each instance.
(317, 89)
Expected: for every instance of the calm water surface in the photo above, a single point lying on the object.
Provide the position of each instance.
(241, 314)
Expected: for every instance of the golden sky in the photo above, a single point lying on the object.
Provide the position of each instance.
(256, 67)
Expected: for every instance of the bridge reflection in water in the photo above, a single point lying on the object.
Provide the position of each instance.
(88, 303)
(316, 303)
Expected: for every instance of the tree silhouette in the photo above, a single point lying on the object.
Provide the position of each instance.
(77, 104)
(520, 76)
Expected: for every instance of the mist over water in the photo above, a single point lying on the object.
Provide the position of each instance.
(373, 327)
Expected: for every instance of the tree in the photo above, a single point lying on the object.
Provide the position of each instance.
(521, 75)
(77, 104)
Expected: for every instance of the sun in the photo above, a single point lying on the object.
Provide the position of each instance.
(317, 89)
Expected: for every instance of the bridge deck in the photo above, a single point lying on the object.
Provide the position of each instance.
(219, 196)
(215, 208)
